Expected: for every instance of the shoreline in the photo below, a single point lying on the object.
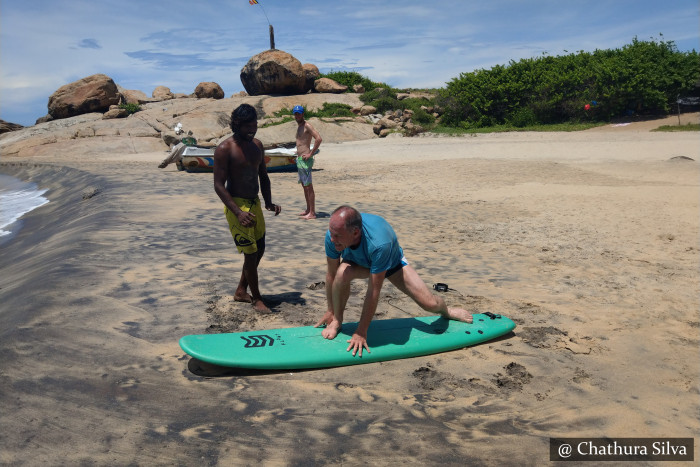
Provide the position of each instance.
(593, 252)
(26, 253)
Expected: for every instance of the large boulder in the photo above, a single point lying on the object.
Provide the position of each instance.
(273, 72)
(328, 85)
(311, 74)
(94, 93)
(132, 96)
(115, 112)
(162, 93)
(209, 90)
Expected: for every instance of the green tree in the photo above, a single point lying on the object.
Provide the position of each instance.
(642, 77)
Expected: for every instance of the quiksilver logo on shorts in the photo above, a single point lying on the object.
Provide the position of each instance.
(240, 240)
(258, 341)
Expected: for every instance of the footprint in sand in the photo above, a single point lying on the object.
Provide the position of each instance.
(361, 394)
(515, 378)
(128, 383)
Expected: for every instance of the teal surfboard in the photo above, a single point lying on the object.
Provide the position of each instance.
(305, 347)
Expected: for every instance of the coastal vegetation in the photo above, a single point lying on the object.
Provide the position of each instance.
(644, 77)
(568, 126)
(383, 97)
(329, 110)
(686, 127)
(567, 93)
(130, 107)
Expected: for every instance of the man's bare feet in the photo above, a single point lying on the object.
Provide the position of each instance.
(459, 314)
(305, 213)
(260, 306)
(330, 331)
(311, 215)
(244, 297)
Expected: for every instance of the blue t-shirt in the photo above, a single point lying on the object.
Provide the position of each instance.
(378, 250)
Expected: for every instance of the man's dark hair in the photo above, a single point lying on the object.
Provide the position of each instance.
(353, 218)
(244, 113)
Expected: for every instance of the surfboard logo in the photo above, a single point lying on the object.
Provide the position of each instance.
(261, 340)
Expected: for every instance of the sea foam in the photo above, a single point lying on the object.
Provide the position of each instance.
(16, 199)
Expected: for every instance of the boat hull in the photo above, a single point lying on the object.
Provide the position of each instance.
(279, 163)
(196, 160)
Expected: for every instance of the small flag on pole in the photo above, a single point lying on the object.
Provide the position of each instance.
(256, 2)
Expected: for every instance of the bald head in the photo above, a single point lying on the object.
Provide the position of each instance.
(348, 216)
(345, 227)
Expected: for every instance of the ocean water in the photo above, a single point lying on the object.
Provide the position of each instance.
(16, 199)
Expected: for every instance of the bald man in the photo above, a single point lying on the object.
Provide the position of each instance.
(364, 246)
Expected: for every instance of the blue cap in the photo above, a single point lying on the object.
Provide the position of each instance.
(298, 109)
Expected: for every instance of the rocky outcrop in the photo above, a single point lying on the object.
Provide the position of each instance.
(7, 126)
(152, 129)
(273, 72)
(94, 93)
(397, 121)
(311, 74)
(366, 110)
(130, 96)
(162, 93)
(115, 112)
(330, 86)
(209, 90)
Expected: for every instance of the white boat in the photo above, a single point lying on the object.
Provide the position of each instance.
(281, 159)
(196, 159)
(201, 159)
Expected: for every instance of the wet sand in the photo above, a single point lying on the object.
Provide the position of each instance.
(587, 240)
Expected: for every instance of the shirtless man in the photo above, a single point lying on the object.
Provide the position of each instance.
(305, 159)
(370, 250)
(238, 164)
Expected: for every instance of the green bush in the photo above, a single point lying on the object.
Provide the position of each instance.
(522, 117)
(384, 104)
(332, 110)
(329, 110)
(643, 77)
(131, 108)
(382, 96)
(352, 78)
(377, 93)
(423, 118)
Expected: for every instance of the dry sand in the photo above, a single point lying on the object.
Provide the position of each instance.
(588, 241)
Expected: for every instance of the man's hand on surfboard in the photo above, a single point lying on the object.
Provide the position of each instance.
(357, 343)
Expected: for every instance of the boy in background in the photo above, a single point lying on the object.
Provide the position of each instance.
(305, 159)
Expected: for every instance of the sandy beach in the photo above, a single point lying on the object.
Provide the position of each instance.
(589, 241)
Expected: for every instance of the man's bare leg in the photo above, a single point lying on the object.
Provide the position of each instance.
(241, 294)
(408, 281)
(310, 196)
(340, 293)
(250, 276)
(305, 212)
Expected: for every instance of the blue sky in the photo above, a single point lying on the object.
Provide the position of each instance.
(143, 44)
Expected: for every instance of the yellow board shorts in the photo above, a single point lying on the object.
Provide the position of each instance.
(246, 238)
